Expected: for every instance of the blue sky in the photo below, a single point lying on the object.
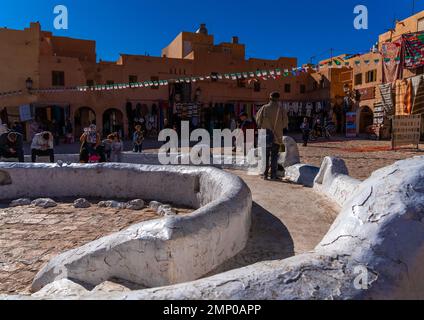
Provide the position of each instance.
(269, 28)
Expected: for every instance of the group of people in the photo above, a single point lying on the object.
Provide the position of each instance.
(272, 117)
(92, 150)
(11, 146)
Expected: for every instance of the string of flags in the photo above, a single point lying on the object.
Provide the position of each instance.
(10, 93)
(272, 74)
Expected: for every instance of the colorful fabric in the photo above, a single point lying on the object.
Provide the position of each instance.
(414, 50)
(408, 98)
(391, 70)
(401, 90)
(386, 91)
(418, 106)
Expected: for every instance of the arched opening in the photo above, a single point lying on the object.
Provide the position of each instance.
(84, 116)
(113, 121)
(366, 119)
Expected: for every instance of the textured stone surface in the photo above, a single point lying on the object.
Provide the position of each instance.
(137, 204)
(302, 174)
(44, 203)
(112, 204)
(82, 204)
(30, 236)
(291, 156)
(380, 230)
(20, 202)
(334, 181)
(150, 253)
(155, 205)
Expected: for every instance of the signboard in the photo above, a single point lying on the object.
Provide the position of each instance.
(351, 125)
(25, 113)
(367, 93)
(406, 130)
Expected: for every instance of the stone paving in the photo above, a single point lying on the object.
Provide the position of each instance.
(30, 236)
(362, 157)
(287, 220)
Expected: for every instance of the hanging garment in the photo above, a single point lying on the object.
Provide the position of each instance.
(418, 106)
(392, 62)
(400, 89)
(414, 47)
(408, 97)
(387, 97)
(415, 81)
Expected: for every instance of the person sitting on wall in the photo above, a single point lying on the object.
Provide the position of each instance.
(11, 146)
(90, 143)
(107, 146)
(42, 145)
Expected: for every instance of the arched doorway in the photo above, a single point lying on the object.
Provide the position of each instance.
(113, 121)
(84, 116)
(366, 119)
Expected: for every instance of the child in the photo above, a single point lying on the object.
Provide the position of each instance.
(138, 139)
(107, 146)
(305, 130)
(117, 149)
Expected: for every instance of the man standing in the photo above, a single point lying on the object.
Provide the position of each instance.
(11, 146)
(272, 118)
(42, 145)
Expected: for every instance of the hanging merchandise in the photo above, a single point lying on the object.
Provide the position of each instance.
(418, 106)
(387, 97)
(413, 50)
(400, 89)
(408, 97)
(391, 70)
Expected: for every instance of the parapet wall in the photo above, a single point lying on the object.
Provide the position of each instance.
(154, 253)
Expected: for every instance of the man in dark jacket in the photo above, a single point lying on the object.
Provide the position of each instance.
(11, 146)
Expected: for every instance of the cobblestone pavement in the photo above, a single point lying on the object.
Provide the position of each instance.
(362, 157)
(30, 237)
(287, 220)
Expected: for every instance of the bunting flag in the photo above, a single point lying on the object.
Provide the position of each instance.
(10, 93)
(265, 75)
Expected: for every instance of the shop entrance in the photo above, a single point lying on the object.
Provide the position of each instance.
(113, 121)
(84, 116)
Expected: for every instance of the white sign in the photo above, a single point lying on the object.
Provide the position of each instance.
(25, 113)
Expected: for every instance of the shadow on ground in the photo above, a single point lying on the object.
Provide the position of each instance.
(269, 239)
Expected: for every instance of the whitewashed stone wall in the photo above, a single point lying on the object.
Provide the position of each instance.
(154, 253)
(374, 250)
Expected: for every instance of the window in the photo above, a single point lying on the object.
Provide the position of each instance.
(154, 79)
(133, 79)
(302, 88)
(110, 82)
(257, 86)
(58, 78)
(287, 88)
(358, 79)
(90, 83)
(371, 76)
(421, 24)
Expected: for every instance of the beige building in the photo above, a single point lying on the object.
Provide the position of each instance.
(54, 65)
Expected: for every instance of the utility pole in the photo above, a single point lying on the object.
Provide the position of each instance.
(413, 7)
